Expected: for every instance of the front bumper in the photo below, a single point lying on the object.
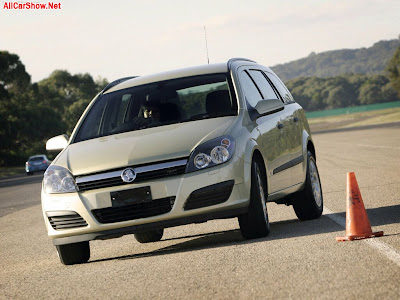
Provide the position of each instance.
(186, 198)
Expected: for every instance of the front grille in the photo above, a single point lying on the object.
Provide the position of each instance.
(134, 211)
(66, 221)
(210, 195)
(98, 184)
(160, 173)
(113, 178)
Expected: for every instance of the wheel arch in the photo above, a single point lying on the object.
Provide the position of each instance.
(311, 148)
(253, 152)
(257, 156)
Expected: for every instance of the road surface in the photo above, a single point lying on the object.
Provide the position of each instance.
(211, 260)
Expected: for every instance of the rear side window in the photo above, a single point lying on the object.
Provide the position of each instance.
(263, 84)
(285, 94)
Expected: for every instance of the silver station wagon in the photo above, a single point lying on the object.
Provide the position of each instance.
(180, 147)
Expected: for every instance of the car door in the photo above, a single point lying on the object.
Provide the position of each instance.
(295, 129)
(272, 138)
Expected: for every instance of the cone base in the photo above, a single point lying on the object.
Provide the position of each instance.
(359, 236)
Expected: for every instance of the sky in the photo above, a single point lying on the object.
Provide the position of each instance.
(114, 39)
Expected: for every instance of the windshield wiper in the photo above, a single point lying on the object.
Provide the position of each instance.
(209, 116)
(199, 117)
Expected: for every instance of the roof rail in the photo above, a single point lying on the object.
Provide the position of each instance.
(115, 82)
(232, 60)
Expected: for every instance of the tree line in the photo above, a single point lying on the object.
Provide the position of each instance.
(31, 113)
(314, 93)
(318, 93)
(372, 60)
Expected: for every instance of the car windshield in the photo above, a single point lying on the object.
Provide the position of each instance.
(159, 104)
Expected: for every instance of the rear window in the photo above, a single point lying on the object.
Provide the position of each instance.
(37, 158)
(159, 104)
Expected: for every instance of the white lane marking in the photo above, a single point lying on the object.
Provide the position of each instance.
(379, 147)
(385, 249)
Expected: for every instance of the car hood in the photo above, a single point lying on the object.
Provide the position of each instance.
(140, 147)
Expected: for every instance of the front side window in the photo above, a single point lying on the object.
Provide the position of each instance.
(159, 104)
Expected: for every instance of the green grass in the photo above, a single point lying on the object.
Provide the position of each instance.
(352, 110)
(9, 171)
(375, 117)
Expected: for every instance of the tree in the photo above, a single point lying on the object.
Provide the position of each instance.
(14, 92)
(393, 70)
(12, 73)
(69, 94)
(32, 113)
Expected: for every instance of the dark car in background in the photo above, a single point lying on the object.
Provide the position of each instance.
(36, 163)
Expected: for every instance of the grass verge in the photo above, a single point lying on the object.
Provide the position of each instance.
(375, 117)
(9, 171)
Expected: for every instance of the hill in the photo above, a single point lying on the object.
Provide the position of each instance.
(370, 60)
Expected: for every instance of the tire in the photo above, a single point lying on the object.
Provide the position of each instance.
(29, 173)
(308, 204)
(255, 224)
(149, 236)
(72, 254)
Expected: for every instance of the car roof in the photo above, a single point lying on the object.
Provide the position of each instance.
(128, 82)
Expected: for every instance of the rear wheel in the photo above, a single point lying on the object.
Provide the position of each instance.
(308, 203)
(72, 254)
(255, 224)
(149, 236)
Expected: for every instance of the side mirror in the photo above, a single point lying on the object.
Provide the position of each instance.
(57, 143)
(265, 107)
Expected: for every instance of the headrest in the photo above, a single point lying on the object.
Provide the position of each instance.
(218, 102)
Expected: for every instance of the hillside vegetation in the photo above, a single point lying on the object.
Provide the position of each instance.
(372, 60)
(314, 93)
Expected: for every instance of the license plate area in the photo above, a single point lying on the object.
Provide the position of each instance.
(132, 196)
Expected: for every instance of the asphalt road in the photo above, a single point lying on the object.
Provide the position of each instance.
(211, 260)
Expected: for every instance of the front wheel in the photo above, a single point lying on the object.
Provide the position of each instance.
(308, 203)
(72, 254)
(149, 236)
(255, 224)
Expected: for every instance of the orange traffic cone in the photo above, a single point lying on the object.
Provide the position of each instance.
(357, 222)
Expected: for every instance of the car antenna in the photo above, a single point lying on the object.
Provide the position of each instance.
(205, 35)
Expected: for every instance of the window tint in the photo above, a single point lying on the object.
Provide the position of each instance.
(263, 84)
(250, 91)
(286, 96)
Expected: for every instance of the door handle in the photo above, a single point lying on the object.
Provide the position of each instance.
(280, 125)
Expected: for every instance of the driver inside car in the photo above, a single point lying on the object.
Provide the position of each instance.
(152, 112)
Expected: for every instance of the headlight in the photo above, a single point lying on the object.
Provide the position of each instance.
(211, 153)
(58, 180)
